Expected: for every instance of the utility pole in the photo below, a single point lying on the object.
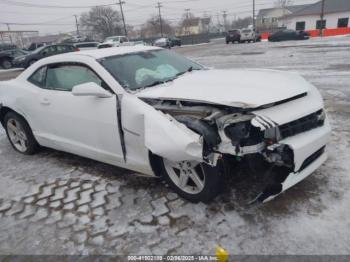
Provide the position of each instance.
(187, 22)
(120, 3)
(159, 5)
(254, 24)
(224, 15)
(322, 18)
(77, 25)
(8, 29)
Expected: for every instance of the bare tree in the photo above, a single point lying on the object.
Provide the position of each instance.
(152, 27)
(187, 19)
(102, 21)
(283, 3)
(242, 22)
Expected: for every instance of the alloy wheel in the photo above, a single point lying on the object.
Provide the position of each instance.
(187, 176)
(17, 135)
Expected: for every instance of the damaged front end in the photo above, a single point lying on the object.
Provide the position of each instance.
(234, 134)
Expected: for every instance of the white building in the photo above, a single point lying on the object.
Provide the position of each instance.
(336, 15)
(270, 18)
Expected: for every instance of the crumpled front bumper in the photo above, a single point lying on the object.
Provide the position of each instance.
(309, 154)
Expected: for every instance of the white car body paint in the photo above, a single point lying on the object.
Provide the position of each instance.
(89, 125)
(236, 88)
(160, 133)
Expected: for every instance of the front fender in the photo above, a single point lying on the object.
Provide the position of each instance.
(160, 133)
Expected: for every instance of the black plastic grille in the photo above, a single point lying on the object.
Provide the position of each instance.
(303, 124)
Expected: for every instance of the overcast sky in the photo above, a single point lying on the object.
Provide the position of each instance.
(136, 11)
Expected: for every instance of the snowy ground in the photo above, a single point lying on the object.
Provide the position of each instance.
(56, 203)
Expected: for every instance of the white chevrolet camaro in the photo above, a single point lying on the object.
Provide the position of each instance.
(155, 112)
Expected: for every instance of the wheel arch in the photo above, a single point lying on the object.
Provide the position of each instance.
(155, 163)
(4, 110)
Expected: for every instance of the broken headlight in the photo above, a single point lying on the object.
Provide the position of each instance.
(244, 134)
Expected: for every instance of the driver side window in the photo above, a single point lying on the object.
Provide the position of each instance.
(65, 77)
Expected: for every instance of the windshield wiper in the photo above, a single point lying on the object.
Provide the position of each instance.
(190, 69)
(158, 82)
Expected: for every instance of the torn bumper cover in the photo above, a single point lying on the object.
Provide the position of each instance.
(309, 154)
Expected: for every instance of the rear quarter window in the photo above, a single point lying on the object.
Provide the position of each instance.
(38, 77)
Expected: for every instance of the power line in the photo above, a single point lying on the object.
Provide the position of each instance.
(159, 5)
(23, 4)
(121, 3)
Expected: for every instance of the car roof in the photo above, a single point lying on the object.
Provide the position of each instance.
(112, 51)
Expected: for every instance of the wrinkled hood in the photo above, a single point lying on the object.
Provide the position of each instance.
(249, 88)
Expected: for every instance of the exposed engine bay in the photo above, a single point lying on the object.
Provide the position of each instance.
(241, 135)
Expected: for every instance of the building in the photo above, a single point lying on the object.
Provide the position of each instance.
(194, 26)
(336, 17)
(270, 18)
(19, 38)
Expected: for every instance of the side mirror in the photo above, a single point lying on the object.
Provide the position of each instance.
(90, 89)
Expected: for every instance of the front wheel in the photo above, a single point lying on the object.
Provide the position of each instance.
(196, 182)
(19, 134)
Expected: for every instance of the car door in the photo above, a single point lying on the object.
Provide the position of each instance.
(48, 51)
(83, 125)
(61, 49)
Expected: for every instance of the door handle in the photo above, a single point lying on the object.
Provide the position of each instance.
(45, 101)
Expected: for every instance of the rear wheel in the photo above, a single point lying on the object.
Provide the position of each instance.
(194, 181)
(19, 134)
(6, 64)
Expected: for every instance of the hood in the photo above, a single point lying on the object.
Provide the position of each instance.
(237, 88)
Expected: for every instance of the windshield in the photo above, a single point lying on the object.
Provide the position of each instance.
(145, 69)
(39, 49)
(247, 31)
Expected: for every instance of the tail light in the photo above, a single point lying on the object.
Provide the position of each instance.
(76, 49)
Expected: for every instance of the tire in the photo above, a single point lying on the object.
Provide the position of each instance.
(196, 173)
(6, 64)
(20, 134)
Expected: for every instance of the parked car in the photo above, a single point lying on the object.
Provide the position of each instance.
(163, 42)
(34, 46)
(4, 47)
(233, 36)
(174, 41)
(115, 41)
(140, 43)
(6, 57)
(248, 35)
(87, 45)
(195, 124)
(286, 35)
(42, 52)
(257, 37)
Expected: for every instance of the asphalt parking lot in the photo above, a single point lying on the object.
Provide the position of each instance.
(57, 203)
